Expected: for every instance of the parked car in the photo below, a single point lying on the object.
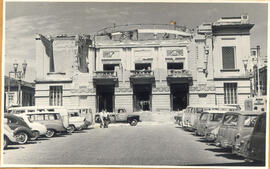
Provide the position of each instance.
(22, 131)
(193, 113)
(29, 109)
(9, 136)
(178, 118)
(256, 144)
(208, 121)
(122, 116)
(76, 122)
(85, 112)
(235, 126)
(51, 120)
(38, 129)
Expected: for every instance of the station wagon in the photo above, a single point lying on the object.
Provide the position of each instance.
(51, 120)
(235, 126)
(256, 143)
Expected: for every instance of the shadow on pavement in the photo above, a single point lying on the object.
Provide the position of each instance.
(219, 150)
(30, 142)
(230, 156)
(41, 139)
(231, 164)
(203, 140)
(81, 131)
(13, 148)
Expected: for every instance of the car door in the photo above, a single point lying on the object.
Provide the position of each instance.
(232, 129)
(258, 139)
(121, 115)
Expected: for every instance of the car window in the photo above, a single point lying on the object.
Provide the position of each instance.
(204, 117)
(231, 120)
(250, 121)
(260, 125)
(216, 117)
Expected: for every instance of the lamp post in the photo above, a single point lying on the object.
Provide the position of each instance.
(17, 74)
(245, 62)
(257, 75)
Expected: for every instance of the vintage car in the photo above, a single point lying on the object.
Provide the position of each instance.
(235, 126)
(22, 131)
(208, 121)
(76, 122)
(51, 120)
(38, 129)
(85, 112)
(30, 109)
(122, 116)
(256, 144)
(8, 136)
(178, 118)
(193, 113)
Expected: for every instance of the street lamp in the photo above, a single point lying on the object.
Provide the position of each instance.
(257, 75)
(245, 62)
(17, 74)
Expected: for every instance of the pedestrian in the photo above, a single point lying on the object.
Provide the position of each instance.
(101, 117)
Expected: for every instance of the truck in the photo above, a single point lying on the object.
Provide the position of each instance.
(121, 115)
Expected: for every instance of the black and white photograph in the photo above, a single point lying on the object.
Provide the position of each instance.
(134, 84)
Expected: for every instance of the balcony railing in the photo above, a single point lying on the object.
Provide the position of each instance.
(141, 73)
(179, 73)
(105, 74)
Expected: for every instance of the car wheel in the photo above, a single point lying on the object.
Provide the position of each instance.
(50, 133)
(133, 122)
(71, 129)
(21, 137)
(5, 142)
(36, 135)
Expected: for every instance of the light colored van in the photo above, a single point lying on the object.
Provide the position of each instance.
(52, 120)
(29, 109)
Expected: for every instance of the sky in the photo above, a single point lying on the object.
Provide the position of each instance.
(23, 20)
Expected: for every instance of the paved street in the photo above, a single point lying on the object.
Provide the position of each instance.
(163, 144)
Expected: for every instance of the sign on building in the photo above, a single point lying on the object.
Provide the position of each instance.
(12, 99)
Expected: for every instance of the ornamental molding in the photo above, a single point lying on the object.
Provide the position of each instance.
(123, 90)
(161, 89)
(83, 90)
(175, 52)
(202, 88)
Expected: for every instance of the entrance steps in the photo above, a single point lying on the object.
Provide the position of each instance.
(160, 117)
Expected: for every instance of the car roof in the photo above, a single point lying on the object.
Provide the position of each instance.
(215, 111)
(10, 115)
(41, 113)
(245, 112)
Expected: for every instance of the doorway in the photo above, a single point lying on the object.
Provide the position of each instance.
(142, 97)
(179, 96)
(105, 98)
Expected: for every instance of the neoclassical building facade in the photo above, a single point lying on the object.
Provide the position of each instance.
(146, 67)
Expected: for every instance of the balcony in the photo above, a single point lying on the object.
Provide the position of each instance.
(142, 76)
(105, 77)
(179, 76)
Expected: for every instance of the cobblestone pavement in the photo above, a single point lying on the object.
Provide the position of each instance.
(121, 144)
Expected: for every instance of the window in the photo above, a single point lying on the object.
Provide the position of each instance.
(231, 120)
(56, 95)
(204, 117)
(175, 65)
(261, 125)
(250, 121)
(230, 93)
(228, 57)
(216, 117)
